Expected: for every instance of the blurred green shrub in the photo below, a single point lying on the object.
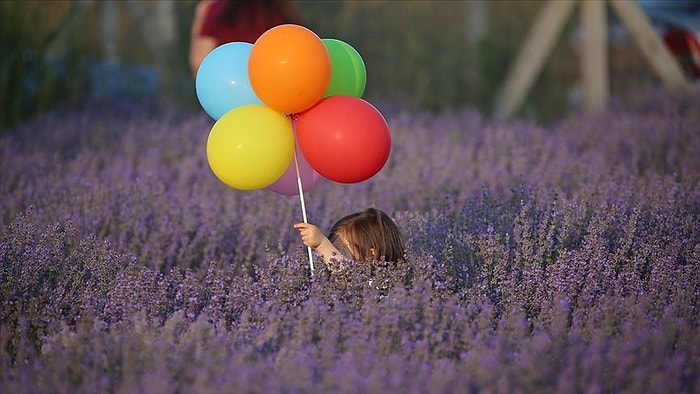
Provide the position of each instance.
(44, 54)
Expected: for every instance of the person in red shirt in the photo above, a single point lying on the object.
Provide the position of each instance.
(217, 22)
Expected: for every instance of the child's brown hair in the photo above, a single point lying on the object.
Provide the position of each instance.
(370, 234)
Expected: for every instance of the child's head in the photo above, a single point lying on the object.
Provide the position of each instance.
(368, 235)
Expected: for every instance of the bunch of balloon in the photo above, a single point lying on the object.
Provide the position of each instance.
(289, 112)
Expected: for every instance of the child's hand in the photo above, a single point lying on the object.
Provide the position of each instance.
(311, 236)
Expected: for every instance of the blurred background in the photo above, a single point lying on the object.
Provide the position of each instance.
(429, 55)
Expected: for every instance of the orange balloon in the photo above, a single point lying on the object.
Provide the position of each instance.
(289, 68)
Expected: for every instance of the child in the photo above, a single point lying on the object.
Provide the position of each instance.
(365, 236)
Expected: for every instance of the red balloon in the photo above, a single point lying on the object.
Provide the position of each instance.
(344, 138)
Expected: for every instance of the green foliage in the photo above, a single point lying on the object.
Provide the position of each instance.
(419, 54)
(43, 64)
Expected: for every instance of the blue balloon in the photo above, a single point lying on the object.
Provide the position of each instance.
(222, 79)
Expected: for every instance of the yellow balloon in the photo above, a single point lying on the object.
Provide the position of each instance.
(250, 147)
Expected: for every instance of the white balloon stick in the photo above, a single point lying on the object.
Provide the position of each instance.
(301, 197)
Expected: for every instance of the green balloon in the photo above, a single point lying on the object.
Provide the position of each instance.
(348, 72)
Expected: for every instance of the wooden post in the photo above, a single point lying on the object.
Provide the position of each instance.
(476, 21)
(532, 55)
(595, 56)
(547, 28)
(109, 31)
(651, 46)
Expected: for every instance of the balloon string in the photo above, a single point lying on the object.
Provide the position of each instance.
(301, 197)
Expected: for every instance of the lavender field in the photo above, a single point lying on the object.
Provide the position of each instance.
(560, 258)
